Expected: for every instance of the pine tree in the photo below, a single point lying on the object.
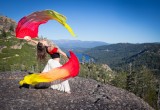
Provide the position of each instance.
(83, 59)
(130, 79)
(158, 101)
(146, 86)
(11, 29)
(4, 34)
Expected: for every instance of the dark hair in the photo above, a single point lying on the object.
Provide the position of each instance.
(41, 51)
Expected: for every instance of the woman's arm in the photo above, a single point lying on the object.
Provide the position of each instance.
(34, 41)
(53, 49)
(28, 38)
(63, 53)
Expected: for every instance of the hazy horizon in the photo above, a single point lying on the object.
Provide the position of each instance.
(101, 41)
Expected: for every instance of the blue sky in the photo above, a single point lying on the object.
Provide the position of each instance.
(111, 21)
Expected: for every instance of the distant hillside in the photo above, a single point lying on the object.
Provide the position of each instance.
(119, 56)
(16, 54)
(72, 44)
(7, 25)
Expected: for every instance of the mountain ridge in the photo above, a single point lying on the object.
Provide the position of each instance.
(123, 53)
(65, 43)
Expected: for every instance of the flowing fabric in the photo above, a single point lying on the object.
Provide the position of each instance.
(69, 69)
(28, 25)
(61, 85)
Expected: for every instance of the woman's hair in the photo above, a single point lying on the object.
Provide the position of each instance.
(41, 51)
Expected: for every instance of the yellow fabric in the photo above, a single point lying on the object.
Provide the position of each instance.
(61, 19)
(52, 75)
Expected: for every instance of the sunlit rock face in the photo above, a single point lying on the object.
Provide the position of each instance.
(86, 94)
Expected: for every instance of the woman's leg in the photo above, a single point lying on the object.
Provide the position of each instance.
(50, 65)
(63, 86)
(47, 67)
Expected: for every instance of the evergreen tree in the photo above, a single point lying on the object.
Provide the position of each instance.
(158, 101)
(83, 59)
(11, 29)
(146, 86)
(4, 34)
(120, 80)
(130, 79)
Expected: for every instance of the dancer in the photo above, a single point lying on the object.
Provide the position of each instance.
(44, 47)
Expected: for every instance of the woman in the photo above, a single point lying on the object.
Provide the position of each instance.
(44, 47)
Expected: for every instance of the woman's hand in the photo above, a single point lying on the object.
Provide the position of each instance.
(27, 38)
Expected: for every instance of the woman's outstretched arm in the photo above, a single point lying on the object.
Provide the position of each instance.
(63, 53)
(28, 38)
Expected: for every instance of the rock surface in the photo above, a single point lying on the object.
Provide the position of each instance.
(87, 94)
(6, 24)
